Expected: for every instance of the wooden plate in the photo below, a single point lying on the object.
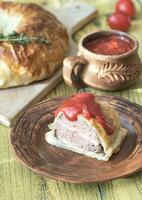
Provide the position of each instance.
(28, 141)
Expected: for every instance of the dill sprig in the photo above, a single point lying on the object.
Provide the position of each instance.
(21, 38)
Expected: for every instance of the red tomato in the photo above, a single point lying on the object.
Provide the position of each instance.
(119, 21)
(126, 6)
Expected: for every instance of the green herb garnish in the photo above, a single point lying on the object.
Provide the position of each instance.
(21, 38)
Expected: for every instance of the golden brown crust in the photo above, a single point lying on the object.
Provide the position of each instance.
(37, 59)
(111, 115)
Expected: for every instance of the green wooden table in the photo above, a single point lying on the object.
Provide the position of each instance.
(19, 183)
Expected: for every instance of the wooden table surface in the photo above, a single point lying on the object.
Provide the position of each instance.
(19, 183)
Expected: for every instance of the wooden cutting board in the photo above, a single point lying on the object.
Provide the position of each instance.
(14, 100)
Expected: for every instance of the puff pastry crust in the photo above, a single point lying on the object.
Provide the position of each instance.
(23, 64)
(62, 134)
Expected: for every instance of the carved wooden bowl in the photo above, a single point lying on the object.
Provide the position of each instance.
(107, 72)
(32, 150)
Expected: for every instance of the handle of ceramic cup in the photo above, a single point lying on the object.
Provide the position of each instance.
(72, 69)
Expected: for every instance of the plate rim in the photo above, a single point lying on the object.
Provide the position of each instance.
(65, 178)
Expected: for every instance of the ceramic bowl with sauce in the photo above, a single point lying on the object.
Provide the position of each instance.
(106, 60)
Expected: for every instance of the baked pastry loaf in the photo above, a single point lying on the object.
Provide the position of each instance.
(98, 136)
(21, 64)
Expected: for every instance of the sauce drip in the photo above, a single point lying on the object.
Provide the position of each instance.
(109, 45)
(84, 104)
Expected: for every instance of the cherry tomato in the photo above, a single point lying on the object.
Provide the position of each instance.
(126, 6)
(119, 21)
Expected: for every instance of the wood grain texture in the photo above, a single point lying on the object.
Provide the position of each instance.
(26, 185)
(22, 97)
(30, 147)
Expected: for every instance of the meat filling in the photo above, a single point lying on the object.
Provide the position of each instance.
(77, 133)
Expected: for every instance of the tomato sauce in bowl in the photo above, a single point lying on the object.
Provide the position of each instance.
(106, 60)
(109, 45)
